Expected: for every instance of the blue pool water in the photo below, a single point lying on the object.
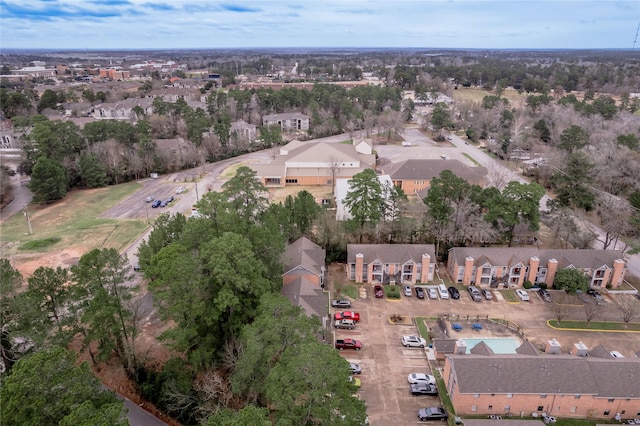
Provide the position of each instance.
(499, 345)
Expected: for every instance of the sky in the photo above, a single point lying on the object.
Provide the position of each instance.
(171, 24)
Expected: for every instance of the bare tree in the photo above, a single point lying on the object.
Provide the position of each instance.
(591, 311)
(497, 176)
(561, 310)
(628, 308)
(614, 215)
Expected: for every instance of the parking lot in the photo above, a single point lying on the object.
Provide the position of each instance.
(386, 363)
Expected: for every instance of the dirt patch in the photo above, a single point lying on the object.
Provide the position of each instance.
(27, 263)
(277, 195)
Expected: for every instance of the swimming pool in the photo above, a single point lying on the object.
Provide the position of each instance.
(499, 345)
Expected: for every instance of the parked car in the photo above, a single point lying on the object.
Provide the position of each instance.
(407, 290)
(419, 292)
(355, 368)
(596, 295)
(455, 294)
(433, 293)
(523, 295)
(347, 324)
(422, 378)
(348, 344)
(347, 315)
(166, 202)
(487, 294)
(378, 290)
(544, 295)
(180, 190)
(432, 413)
(474, 293)
(156, 204)
(149, 199)
(413, 341)
(341, 303)
(423, 389)
(137, 268)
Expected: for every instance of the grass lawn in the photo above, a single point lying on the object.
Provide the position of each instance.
(471, 158)
(73, 222)
(392, 291)
(596, 325)
(510, 295)
(349, 290)
(476, 95)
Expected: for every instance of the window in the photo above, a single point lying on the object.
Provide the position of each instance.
(507, 408)
(574, 409)
(577, 396)
(493, 394)
(540, 408)
(606, 413)
(509, 395)
(490, 407)
(477, 395)
(543, 396)
(474, 408)
(611, 400)
(291, 181)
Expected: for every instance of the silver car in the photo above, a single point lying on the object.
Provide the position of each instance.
(407, 290)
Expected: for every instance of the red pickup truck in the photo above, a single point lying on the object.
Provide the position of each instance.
(348, 344)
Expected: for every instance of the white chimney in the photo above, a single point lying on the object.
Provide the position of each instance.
(553, 347)
(579, 349)
(461, 347)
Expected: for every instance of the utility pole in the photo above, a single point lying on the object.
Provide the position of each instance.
(26, 215)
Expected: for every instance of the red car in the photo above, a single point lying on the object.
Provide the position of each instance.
(378, 291)
(347, 315)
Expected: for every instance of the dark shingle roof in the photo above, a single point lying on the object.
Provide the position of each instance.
(481, 348)
(509, 256)
(390, 253)
(306, 254)
(547, 374)
(308, 296)
(423, 169)
(527, 348)
(444, 346)
(600, 352)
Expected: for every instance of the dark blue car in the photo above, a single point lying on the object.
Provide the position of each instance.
(156, 203)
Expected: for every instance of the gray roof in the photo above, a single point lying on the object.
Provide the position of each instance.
(390, 253)
(547, 374)
(481, 348)
(527, 348)
(600, 352)
(304, 253)
(444, 346)
(510, 256)
(324, 152)
(285, 116)
(301, 292)
(428, 169)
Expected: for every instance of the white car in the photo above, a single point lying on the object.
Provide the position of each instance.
(413, 341)
(421, 378)
(407, 290)
(433, 293)
(523, 295)
(180, 190)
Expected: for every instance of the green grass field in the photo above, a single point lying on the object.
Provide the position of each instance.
(596, 325)
(73, 222)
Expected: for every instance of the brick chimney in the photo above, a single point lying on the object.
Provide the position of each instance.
(359, 265)
(468, 269)
(534, 263)
(618, 273)
(424, 275)
(552, 268)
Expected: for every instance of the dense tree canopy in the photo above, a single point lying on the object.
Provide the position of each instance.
(47, 388)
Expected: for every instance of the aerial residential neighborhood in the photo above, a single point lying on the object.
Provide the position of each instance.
(317, 236)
